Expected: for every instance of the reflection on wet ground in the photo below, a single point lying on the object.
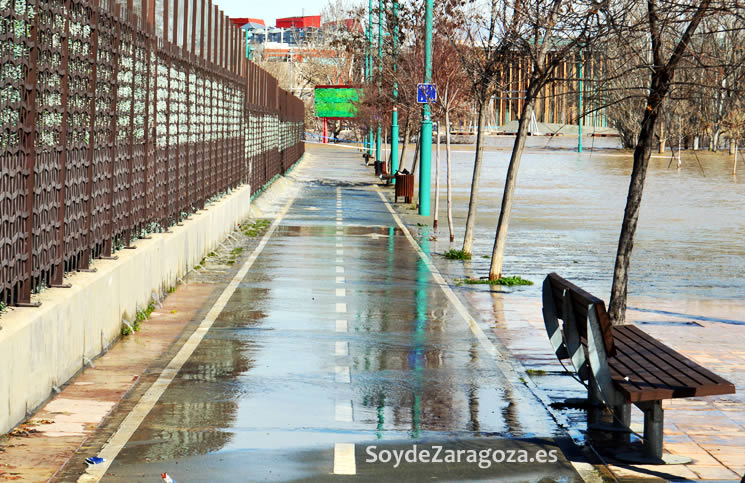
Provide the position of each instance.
(338, 334)
(685, 285)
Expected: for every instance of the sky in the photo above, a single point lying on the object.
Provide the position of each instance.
(271, 10)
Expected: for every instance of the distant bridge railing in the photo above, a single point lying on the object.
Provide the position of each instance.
(109, 132)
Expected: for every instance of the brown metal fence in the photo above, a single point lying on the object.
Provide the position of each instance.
(109, 131)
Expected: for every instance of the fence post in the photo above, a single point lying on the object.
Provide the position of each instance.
(59, 267)
(167, 49)
(109, 245)
(28, 137)
(132, 24)
(86, 258)
(148, 156)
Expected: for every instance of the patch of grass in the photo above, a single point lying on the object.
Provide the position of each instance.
(506, 281)
(454, 254)
(197, 267)
(485, 256)
(236, 251)
(230, 262)
(535, 372)
(256, 228)
(141, 316)
(2, 307)
(211, 254)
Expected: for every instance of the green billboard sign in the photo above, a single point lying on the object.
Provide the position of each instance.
(336, 102)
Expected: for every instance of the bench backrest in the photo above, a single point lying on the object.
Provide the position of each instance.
(581, 302)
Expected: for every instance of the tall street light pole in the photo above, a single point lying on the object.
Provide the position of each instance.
(425, 172)
(380, 76)
(370, 135)
(580, 68)
(394, 116)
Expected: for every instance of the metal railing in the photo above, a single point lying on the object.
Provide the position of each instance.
(109, 132)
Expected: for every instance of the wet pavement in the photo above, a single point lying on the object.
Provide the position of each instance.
(337, 351)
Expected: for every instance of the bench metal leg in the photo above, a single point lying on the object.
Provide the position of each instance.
(622, 412)
(595, 409)
(622, 420)
(653, 424)
(651, 453)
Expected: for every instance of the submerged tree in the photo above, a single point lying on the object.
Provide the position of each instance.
(667, 33)
(561, 28)
(486, 44)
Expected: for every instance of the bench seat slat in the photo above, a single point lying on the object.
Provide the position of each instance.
(679, 360)
(627, 387)
(656, 371)
(642, 376)
(638, 348)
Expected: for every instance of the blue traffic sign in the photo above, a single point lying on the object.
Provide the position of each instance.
(426, 93)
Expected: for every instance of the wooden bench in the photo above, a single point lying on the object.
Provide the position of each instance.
(622, 364)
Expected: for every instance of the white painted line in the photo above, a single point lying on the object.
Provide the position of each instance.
(341, 308)
(339, 245)
(338, 223)
(342, 348)
(339, 231)
(342, 374)
(340, 292)
(339, 269)
(148, 400)
(344, 463)
(339, 260)
(339, 218)
(341, 325)
(339, 279)
(472, 324)
(340, 252)
(344, 412)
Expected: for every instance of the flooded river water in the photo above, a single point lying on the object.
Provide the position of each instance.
(567, 214)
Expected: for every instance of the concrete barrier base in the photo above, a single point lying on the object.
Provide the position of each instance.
(44, 347)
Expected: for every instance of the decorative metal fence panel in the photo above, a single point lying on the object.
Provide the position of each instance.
(109, 132)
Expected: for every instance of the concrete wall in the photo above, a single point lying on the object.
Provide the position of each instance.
(44, 347)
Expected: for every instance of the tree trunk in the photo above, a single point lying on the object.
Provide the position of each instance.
(416, 154)
(500, 240)
(437, 179)
(734, 165)
(407, 133)
(450, 192)
(473, 201)
(661, 78)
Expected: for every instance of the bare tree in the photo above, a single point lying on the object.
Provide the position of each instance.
(484, 49)
(669, 28)
(452, 98)
(562, 27)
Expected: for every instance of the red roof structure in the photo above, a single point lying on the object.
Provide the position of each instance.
(299, 22)
(244, 20)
